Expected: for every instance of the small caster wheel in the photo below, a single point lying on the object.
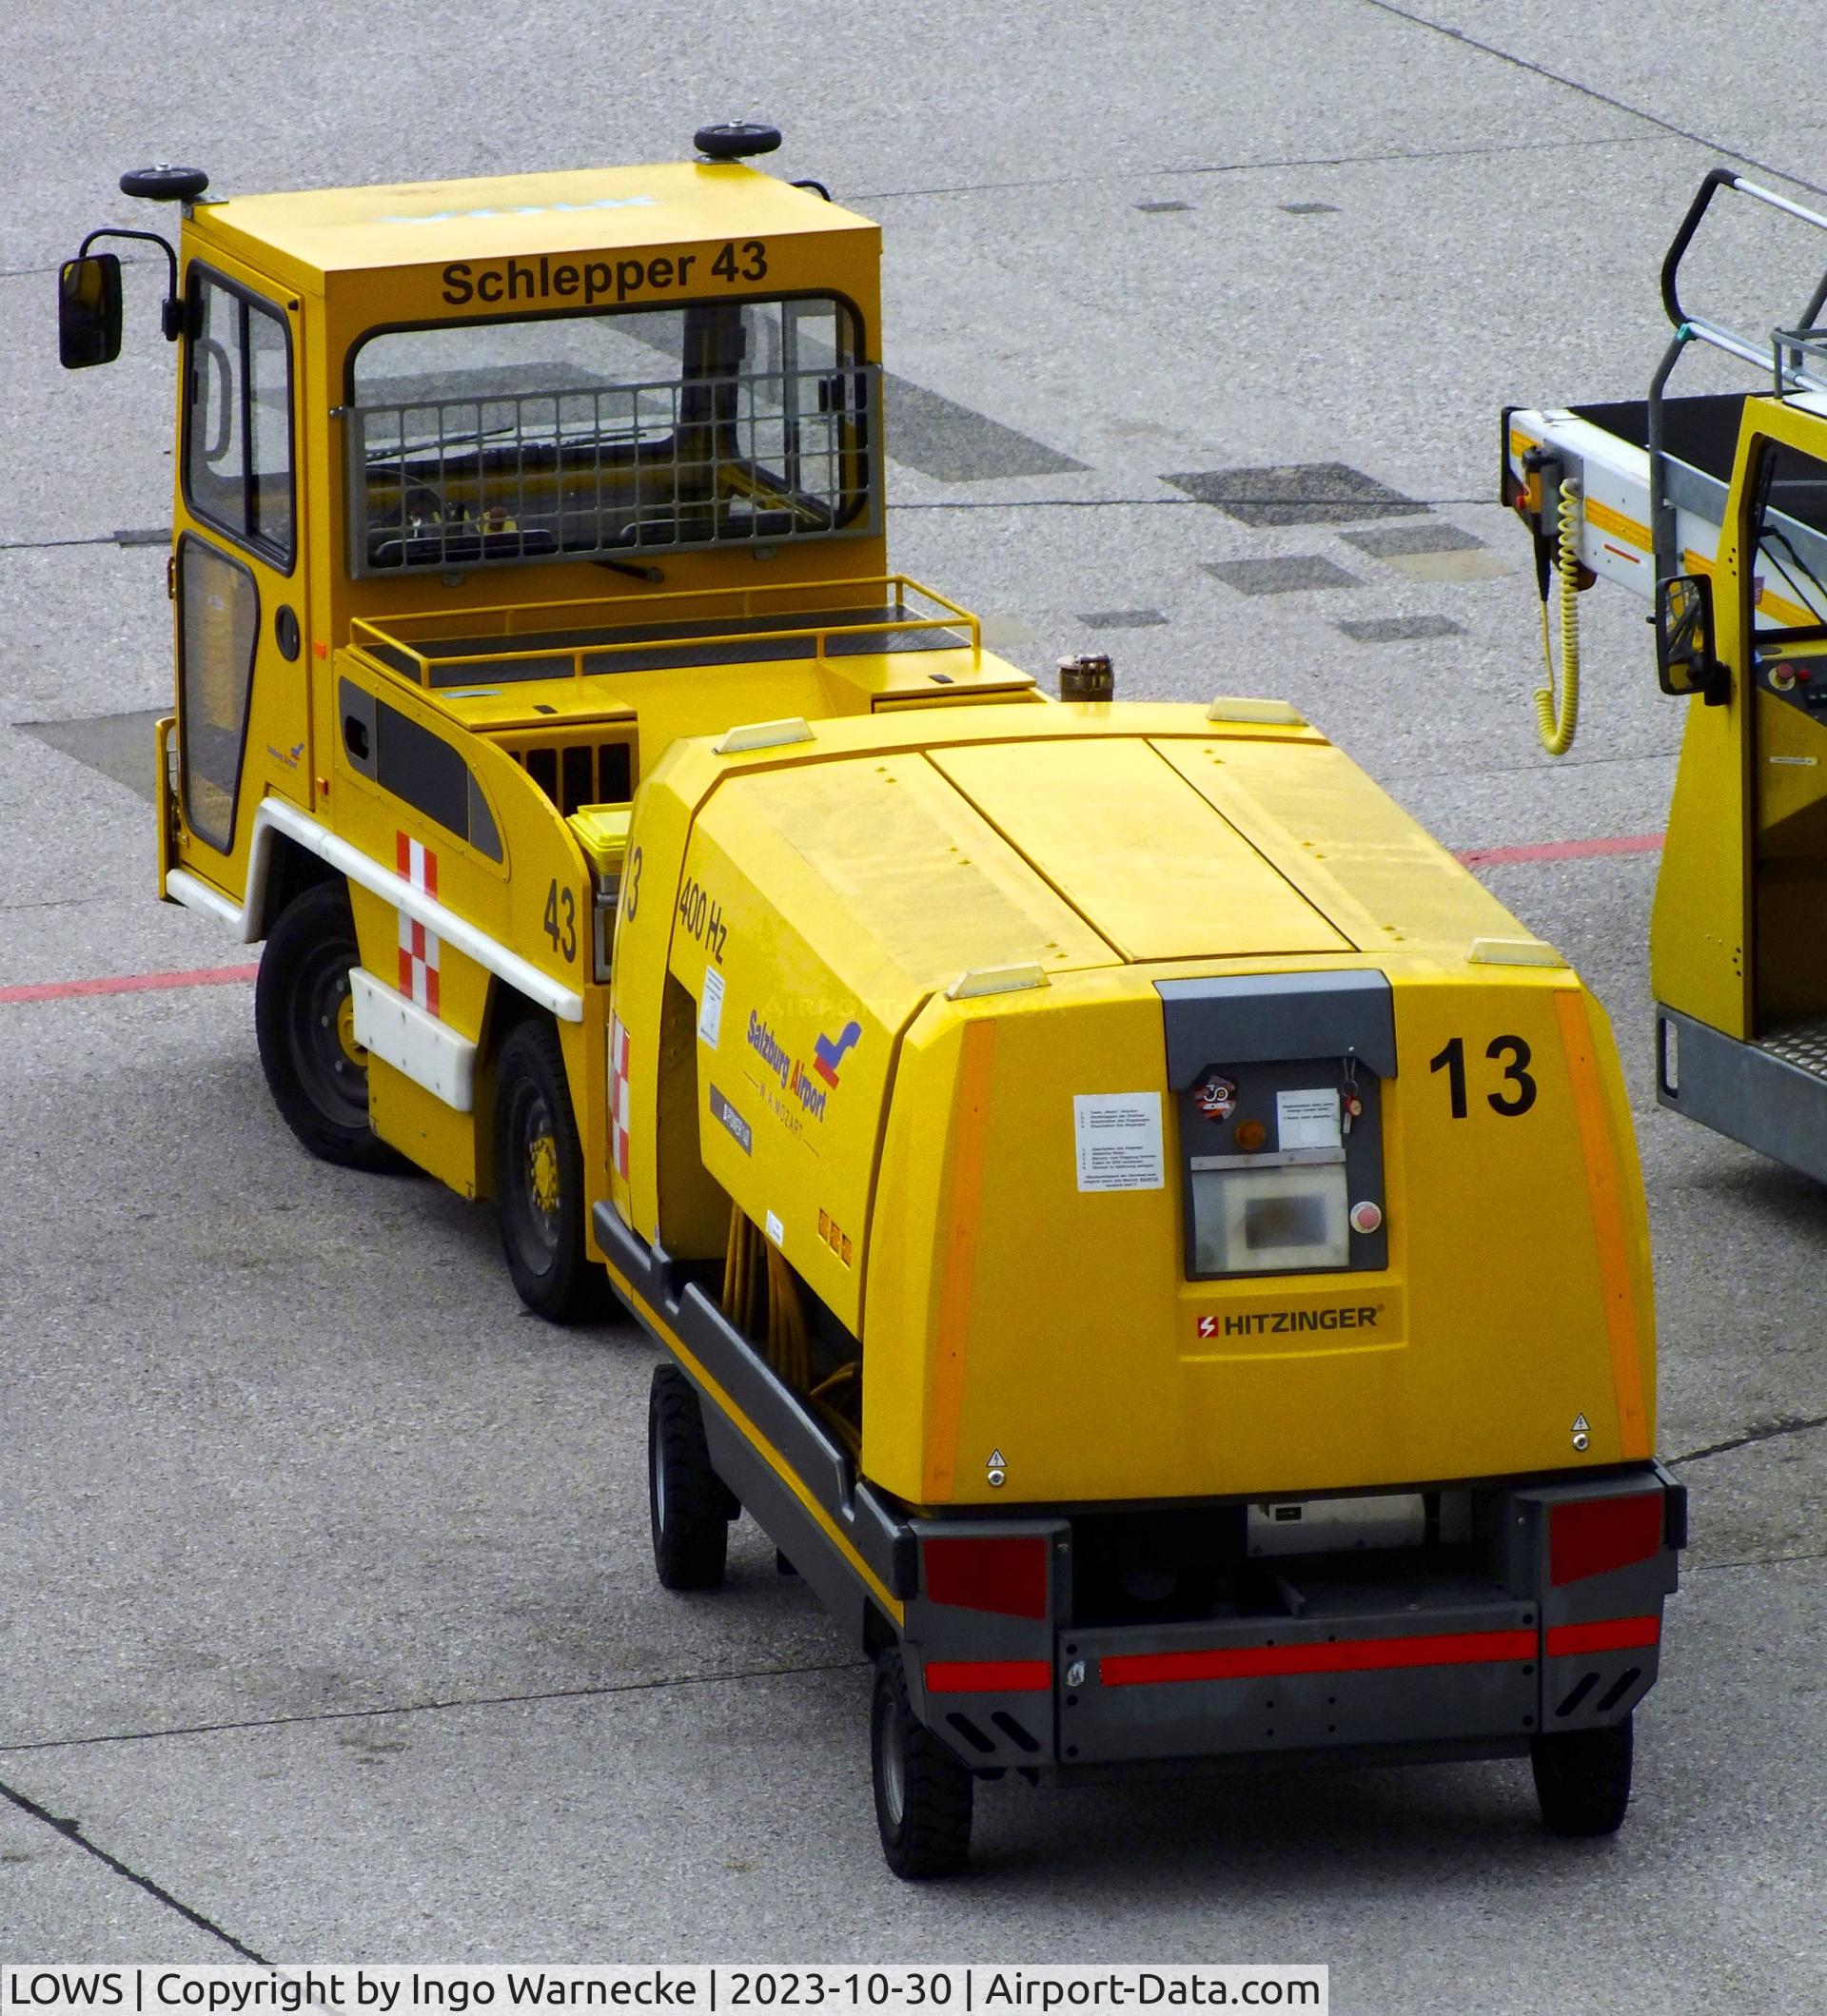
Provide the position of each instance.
(690, 1506)
(1582, 1779)
(923, 1795)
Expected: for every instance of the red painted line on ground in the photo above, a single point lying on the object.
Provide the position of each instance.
(229, 975)
(1562, 851)
(128, 984)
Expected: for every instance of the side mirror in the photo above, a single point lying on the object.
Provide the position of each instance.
(89, 311)
(1684, 661)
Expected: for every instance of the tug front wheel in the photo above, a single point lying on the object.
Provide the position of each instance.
(689, 1504)
(538, 1180)
(1582, 1779)
(923, 1795)
(304, 1027)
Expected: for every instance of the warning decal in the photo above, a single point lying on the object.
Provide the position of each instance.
(1118, 1139)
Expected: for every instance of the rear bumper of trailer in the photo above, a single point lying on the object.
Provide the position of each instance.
(1005, 1666)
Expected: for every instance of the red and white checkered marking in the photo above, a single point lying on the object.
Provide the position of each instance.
(418, 947)
(618, 1096)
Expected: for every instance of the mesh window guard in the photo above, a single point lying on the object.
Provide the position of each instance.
(542, 459)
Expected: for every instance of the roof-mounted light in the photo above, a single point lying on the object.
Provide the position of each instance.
(995, 980)
(1271, 714)
(1514, 952)
(736, 141)
(764, 734)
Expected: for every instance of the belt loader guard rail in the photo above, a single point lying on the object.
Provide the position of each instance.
(1713, 507)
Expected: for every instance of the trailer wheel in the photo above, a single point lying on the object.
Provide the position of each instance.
(538, 1180)
(923, 1795)
(689, 1505)
(305, 1028)
(1582, 1779)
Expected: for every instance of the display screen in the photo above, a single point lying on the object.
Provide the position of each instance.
(1298, 1219)
(1259, 1221)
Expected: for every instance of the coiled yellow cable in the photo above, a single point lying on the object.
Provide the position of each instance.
(1557, 721)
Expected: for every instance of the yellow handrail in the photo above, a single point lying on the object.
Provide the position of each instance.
(366, 631)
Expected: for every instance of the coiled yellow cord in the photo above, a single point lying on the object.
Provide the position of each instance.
(1557, 721)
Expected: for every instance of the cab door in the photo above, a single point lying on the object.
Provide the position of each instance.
(1782, 613)
(243, 717)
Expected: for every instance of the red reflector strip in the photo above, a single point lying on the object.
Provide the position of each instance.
(1589, 1536)
(1004, 1576)
(1614, 1635)
(988, 1677)
(1257, 1662)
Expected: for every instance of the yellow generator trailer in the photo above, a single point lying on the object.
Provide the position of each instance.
(1715, 506)
(1155, 1245)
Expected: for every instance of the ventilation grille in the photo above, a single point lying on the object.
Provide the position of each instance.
(580, 775)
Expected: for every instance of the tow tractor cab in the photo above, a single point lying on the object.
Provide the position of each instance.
(1155, 1245)
(488, 493)
(1714, 505)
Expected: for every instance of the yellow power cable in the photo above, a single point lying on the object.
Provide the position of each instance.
(1557, 721)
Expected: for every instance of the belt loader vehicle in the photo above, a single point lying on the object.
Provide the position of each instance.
(1715, 506)
(1153, 1242)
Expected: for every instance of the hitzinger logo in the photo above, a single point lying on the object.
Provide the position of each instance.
(796, 1081)
(1278, 1322)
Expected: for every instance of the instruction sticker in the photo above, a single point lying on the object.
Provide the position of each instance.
(1118, 1136)
(1308, 1120)
(710, 1008)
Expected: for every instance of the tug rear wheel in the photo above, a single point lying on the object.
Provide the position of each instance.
(690, 1506)
(538, 1180)
(923, 1795)
(1582, 1779)
(304, 1027)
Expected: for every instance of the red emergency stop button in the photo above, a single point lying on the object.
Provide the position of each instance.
(1365, 1217)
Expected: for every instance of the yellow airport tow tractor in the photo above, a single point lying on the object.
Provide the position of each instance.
(1715, 506)
(1155, 1245)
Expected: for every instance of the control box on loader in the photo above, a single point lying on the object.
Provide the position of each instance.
(1155, 1245)
(1714, 506)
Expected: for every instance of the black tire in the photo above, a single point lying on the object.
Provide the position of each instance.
(923, 1795)
(689, 1505)
(305, 1026)
(538, 1180)
(1582, 1779)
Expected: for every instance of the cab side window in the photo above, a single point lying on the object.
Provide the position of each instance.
(238, 418)
(1788, 579)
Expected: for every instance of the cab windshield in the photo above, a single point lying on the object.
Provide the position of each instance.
(571, 437)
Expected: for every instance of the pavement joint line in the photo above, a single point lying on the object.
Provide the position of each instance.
(1789, 1424)
(72, 1830)
(1763, 1560)
(421, 1707)
(1253, 168)
(99, 538)
(1598, 97)
(1099, 503)
(1524, 770)
(232, 976)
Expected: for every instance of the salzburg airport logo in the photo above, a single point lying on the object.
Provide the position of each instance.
(827, 1055)
(796, 1082)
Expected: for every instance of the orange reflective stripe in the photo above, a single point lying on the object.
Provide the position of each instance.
(1607, 1223)
(969, 1123)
